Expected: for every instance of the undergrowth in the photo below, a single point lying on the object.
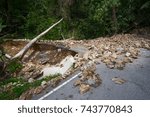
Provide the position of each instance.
(19, 86)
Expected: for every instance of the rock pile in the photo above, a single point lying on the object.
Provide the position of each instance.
(115, 51)
(89, 78)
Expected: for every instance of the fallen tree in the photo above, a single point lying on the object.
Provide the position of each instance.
(22, 52)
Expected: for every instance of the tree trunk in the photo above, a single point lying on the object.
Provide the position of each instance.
(27, 47)
(114, 18)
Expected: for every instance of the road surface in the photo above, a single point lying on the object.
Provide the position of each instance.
(136, 87)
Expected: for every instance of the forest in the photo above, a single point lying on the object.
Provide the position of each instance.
(83, 19)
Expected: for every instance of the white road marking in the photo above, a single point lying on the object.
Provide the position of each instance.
(60, 86)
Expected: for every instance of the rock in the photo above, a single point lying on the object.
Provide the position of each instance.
(83, 78)
(87, 72)
(37, 74)
(44, 61)
(44, 84)
(30, 80)
(89, 69)
(106, 47)
(77, 82)
(114, 55)
(97, 79)
(59, 50)
(119, 65)
(9, 86)
(134, 56)
(107, 54)
(38, 90)
(91, 81)
(97, 61)
(118, 80)
(147, 46)
(111, 66)
(86, 55)
(119, 50)
(128, 54)
(55, 82)
(126, 60)
(131, 48)
(107, 61)
(30, 69)
(137, 44)
(27, 95)
(65, 64)
(130, 59)
(113, 60)
(84, 88)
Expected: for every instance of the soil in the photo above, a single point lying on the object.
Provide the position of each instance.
(39, 56)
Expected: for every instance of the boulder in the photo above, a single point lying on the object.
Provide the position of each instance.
(62, 68)
(84, 88)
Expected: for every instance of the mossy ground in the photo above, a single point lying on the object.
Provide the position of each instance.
(18, 86)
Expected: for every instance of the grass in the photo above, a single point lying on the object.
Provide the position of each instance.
(17, 90)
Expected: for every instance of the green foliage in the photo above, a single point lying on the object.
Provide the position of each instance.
(1, 25)
(145, 5)
(14, 66)
(82, 19)
(16, 90)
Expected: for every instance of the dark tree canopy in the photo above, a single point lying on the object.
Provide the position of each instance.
(83, 18)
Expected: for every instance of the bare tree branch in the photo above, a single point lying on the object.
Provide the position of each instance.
(22, 52)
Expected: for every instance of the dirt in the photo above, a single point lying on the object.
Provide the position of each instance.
(39, 56)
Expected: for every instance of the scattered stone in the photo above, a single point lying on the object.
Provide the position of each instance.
(137, 44)
(38, 90)
(37, 74)
(59, 50)
(84, 88)
(147, 46)
(118, 80)
(130, 59)
(44, 84)
(55, 82)
(27, 95)
(119, 50)
(111, 66)
(106, 47)
(114, 55)
(31, 80)
(86, 55)
(128, 54)
(30, 69)
(119, 65)
(77, 82)
(91, 81)
(88, 78)
(97, 79)
(97, 61)
(83, 78)
(44, 61)
(107, 54)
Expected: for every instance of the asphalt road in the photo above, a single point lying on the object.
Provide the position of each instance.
(136, 87)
